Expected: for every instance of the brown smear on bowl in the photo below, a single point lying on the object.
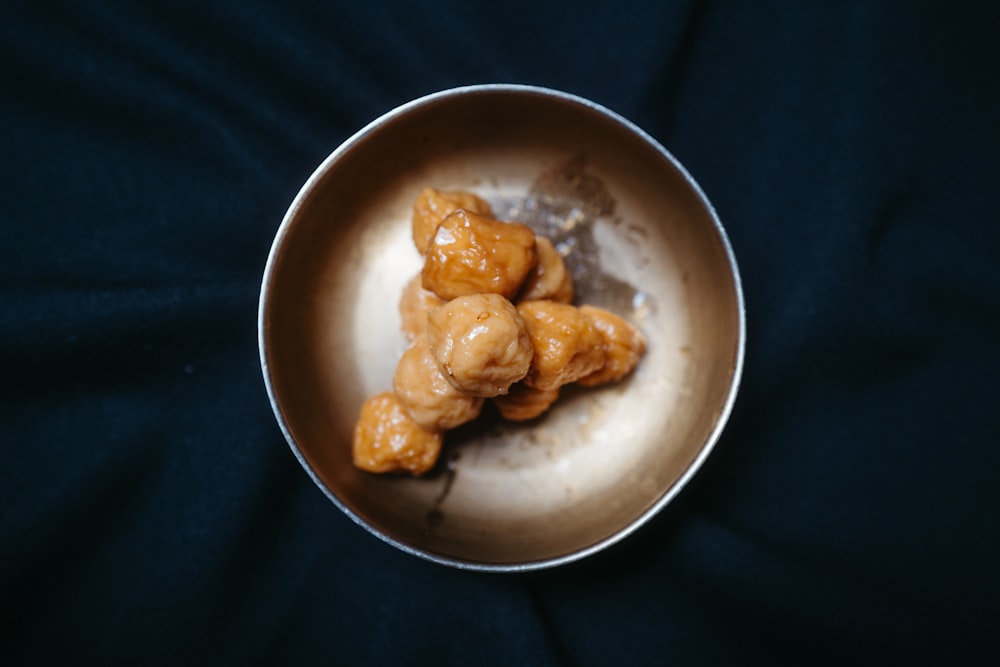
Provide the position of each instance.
(563, 204)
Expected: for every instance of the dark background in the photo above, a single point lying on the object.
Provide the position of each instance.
(152, 512)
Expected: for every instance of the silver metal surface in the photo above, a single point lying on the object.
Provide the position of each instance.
(508, 497)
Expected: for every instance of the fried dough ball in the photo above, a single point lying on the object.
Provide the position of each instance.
(480, 343)
(472, 254)
(522, 402)
(567, 344)
(623, 346)
(433, 402)
(386, 439)
(431, 207)
(550, 278)
(414, 304)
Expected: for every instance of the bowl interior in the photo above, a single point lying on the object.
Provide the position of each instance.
(600, 462)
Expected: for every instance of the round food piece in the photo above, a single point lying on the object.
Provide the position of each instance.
(550, 279)
(567, 344)
(414, 304)
(386, 439)
(623, 346)
(522, 402)
(433, 402)
(432, 206)
(472, 254)
(480, 343)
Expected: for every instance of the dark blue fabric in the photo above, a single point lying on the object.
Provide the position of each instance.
(151, 511)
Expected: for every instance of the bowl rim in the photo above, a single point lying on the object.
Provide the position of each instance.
(538, 91)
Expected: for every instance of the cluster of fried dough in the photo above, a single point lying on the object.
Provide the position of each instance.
(489, 317)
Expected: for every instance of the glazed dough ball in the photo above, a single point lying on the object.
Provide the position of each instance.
(433, 402)
(480, 343)
(523, 402)
(414, 304)
(472, 254)
(567, 343)
(432, 206)
(623, 346)
(550, 278)
(386, 439)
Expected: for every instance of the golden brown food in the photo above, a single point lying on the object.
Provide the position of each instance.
(386, 439)
(567, 344)
(480, 343)
(469, 342)
(414, 304)
(432, 206)
(523, 402)
(550, 279)
(472, 254)
(623, 346)
(433, 402)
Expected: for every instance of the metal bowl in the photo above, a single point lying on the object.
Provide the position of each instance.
(643, 240)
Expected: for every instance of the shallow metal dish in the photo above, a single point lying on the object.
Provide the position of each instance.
(603, 461)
